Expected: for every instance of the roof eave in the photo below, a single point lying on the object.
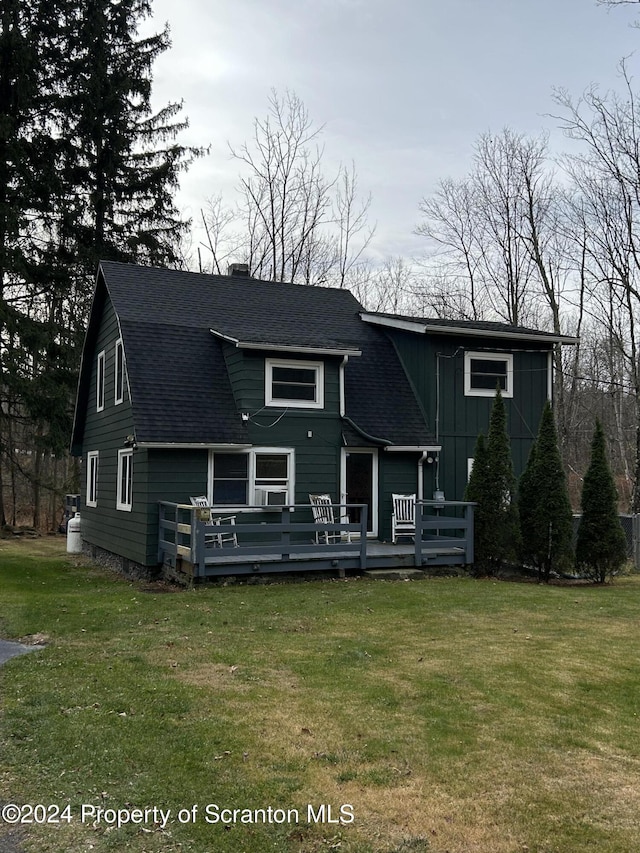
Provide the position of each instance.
(430, 328)
(287, 348)
(413, 448)
(191, 445)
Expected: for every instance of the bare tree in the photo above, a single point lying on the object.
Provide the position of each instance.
(285, 196)
(492, 232)
(354, 234)
(608, 176)
(291, 222)
(451, 225)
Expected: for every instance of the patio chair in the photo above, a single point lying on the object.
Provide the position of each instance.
(322, 509)
(205, 514)
(403, 518)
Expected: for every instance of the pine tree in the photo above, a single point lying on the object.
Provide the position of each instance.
(29, 185)
(492, 486)
(546, 521)
(526, 507)
(87, 171)
(476, 491)
(122, 161)
(601, 545)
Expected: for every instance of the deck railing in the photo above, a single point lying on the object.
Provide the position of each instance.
(182, 534)
(455, 518)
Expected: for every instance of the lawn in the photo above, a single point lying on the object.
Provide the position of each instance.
(439, 715)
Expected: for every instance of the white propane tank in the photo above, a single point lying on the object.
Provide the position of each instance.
(74, 537)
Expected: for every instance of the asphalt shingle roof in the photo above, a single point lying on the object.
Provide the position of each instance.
(488, 326)
(179, 383)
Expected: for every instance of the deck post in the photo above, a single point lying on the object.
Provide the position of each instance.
(363, 538)
(198, 544)
(285, 537)
(160, 532)
(417, 538)
(468, 513)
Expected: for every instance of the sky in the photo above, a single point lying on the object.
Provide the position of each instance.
(404, 88)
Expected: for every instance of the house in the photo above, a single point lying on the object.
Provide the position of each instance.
(258, 393)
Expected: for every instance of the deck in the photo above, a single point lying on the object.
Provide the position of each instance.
(286, 541)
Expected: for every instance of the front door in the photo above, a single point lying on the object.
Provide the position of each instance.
(360, 485)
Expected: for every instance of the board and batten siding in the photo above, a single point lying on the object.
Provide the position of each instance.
(457, 419)
(398, 474)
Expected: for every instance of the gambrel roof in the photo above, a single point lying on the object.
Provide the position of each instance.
(173, 324)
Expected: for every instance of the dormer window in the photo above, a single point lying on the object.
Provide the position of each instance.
(294, 384)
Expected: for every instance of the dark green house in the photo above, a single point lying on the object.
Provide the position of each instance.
(258, 393)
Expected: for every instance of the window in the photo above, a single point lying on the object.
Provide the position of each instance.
(100, 382)
(259, 477)
(230, 479)
(119, 367)
(271, 479)
(92, 479)
(125, 480)
(484, 372)
(295, 384)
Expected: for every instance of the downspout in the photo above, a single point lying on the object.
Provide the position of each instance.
(421, 462)
(343, 405)
(440, 355)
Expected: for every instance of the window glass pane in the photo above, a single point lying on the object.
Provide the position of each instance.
(294, 383)
(230, 478)
(487, 374)
(125, 478)
(100, 381)
(230, 465)
(119, 371)
(271, 466)
(281, 391)
(229, 492)
(294, 374)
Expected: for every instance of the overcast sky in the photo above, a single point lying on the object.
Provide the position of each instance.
(403, 87)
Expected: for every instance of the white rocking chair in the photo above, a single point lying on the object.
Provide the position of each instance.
(322, 509)
(205, 514)
(403, 518)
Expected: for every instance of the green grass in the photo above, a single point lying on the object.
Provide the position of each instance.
(452, 715)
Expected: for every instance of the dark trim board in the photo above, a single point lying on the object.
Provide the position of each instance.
(380, 555)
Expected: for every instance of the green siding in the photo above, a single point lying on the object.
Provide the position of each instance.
(315, 435)
(457, 419)
(114, 530)
(398, 473)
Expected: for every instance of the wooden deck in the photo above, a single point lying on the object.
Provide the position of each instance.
(289, 543)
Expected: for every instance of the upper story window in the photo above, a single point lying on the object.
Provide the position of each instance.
(294, 384)
(100, 382)
(119, 368)
(486, 371)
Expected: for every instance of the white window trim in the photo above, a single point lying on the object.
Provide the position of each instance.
(125, 506)
(487, 356)
(118, 348)
(289, 452)
(100, 381)
(470, 461)
(91, 495)
(270, 400)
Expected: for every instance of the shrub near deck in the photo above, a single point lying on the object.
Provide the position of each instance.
(453, 715)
